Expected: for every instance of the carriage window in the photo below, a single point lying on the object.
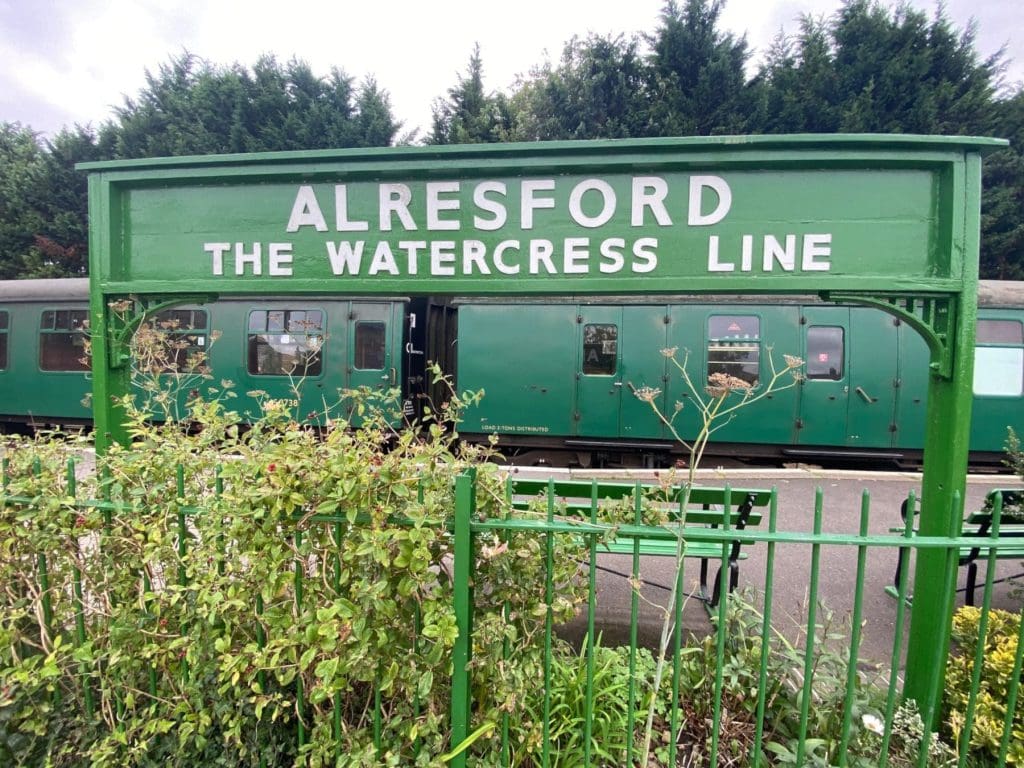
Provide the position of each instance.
(62, 340)
(186, 338)
(825, 353)
(369, 346)
(999, 358)
(1000, 332)
(734, 346)
(285, 342)
(3, 340)
(600, 349)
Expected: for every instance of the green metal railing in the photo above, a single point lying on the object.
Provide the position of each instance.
(552, 527)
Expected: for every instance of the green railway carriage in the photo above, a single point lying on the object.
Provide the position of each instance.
(263, 347)
(44, 367)
(561, 375)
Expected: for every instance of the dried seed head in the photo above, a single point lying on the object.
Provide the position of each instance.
(647, 394)
(721, 384)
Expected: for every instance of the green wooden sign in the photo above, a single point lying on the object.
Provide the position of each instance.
(789, 214)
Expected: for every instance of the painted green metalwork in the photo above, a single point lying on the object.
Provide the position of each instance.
(855, 633)
(136, 311)
(766, 628)
(934, 318)
(890, 219)
(462, 653)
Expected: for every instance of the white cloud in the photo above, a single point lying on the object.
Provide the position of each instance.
(63, 61)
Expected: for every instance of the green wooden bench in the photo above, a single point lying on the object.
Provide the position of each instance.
(979, 524)
(705, 508)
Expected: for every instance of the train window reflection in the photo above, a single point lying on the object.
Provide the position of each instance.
(999, 371)
(999, 358)
(734, 347)
(1000, 332)
(369, 346)
(824, 353)
(62, 340)
(285, 342)
(600, 349)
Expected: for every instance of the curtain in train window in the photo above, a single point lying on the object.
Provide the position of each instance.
(4, 322)
(62, 340)
(825, 353)
(285, 342)
(184, 340)
(370, 340)
(600, 349)
(734, 347)
(999, 358)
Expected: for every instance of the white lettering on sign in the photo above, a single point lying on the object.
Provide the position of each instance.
(451, 258)
(342, 223)
(497, 209)
(531, 202)
(306, 211)
(814, 254)
(607, 195)
(697, 186)
(572, 222)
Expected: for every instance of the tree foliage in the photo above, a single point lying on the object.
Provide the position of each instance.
(866, 68)
(190, 106)
(470, 115)
(597, 90)
(697, 74)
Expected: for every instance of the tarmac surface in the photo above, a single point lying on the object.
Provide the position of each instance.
(842, 499)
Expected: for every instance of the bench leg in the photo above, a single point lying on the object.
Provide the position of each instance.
(734, 578)
(704, 580)
(972, 582)
(899, 567)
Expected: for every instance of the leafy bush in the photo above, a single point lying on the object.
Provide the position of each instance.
(285, 587)
(996, 673)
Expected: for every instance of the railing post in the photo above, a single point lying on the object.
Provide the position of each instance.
(462, 597)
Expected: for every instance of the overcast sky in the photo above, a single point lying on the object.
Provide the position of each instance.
(70, 61)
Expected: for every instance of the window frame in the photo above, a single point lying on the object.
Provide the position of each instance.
(383, 347)
(724, 343)
(603, 354)
(841, 374)
(48, 329)
(200, 341)
(285, 324)
(986, 348)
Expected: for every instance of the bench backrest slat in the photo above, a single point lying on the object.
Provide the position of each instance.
(581, 489)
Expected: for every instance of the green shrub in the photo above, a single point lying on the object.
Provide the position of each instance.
(991, 707)
(321, 566)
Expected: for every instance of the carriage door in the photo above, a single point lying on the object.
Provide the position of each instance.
(874, 373)
(825, 391)
(619, 352)
(599, 373)
(848, 397)
(371, 360)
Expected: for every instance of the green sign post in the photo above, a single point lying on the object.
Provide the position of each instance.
(890, 221)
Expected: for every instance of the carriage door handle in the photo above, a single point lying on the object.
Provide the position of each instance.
(867, 398)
